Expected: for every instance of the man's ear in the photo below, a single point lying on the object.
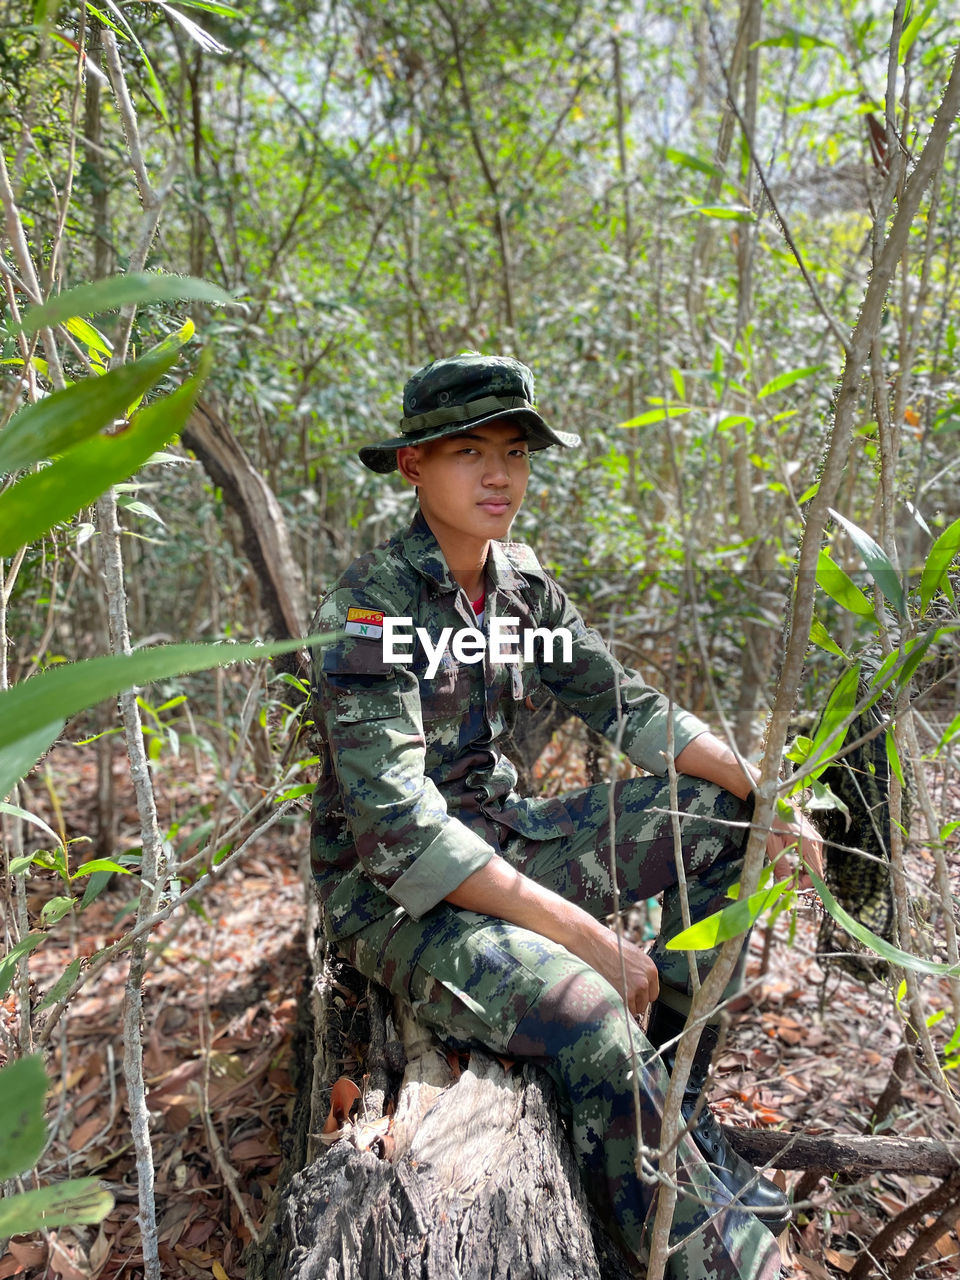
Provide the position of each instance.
(408, 463)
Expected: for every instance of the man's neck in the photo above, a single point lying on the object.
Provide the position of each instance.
(466, 558)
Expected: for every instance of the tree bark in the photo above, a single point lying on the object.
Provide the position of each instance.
(266, 538)
(841, 1154)
(486, 1190)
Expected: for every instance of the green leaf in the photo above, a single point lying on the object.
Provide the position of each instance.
(100, 864)
(948, 735)
(68, 417)
(71, 687)
(840, 704)
(55, 909)
(687, 161)
(878, 565)
(62, 984)
(824, 799)
(785, 380)
(23, 1133)
(729, 922)
(791, 38)
(820, 636)
(95, 886)
(120, 291)
(8, 963)
(726, 212)
(19, 756)
(913, 29)
(16, 812)
(657, 415)
(939, 558)
(877, 944)
(45, 498)
(840, 587)
(301, 789)
(893, 756)
(77, 1201)
(93, 339)
(159, 96)
(224, 10)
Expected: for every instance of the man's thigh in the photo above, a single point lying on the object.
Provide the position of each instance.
(713, 828)
(471, 977)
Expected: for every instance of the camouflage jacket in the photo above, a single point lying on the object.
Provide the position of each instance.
(415, 792)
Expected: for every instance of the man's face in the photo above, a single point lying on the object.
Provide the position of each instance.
(471, 484)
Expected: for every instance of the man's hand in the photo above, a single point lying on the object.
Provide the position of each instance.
(707, 757)
(799, 833)
(643, 980)
(497, 889)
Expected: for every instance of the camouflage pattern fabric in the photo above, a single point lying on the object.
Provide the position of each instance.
(446, 395)
(480, 981)
(415, 790)
(416, 793)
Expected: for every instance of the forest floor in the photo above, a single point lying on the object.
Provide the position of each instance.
(813, 1051)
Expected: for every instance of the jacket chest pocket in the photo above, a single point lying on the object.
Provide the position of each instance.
(446, 695)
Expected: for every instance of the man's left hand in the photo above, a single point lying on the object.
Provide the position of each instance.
(801, 834)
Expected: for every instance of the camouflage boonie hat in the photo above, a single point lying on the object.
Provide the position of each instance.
(450, 395)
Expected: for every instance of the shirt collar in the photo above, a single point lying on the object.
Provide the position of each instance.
(423, 552)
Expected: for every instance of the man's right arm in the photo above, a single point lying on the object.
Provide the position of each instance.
(497, 889)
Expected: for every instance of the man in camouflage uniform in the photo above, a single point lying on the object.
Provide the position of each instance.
(484, 908)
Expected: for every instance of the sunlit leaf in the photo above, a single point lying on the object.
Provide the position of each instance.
(45, 498)
(784, 380)
(840, 587)
(820, 636)
(913, 29)
(68, 417)
(893, 756)
(120, 291)
(729, 922)
(23, 1133)
(939, 558)
(903, 959)
(726, 212)
(840, 705)
(657, 415)
(877, 562)
(78, 1201)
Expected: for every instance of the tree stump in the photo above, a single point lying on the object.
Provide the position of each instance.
(475, 1179)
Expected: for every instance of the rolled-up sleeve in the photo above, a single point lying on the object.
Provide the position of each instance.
(406, 840)
(614, 700)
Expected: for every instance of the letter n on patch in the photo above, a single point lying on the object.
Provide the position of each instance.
(364, 622)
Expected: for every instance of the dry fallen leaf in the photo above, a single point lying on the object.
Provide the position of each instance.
(812, 1266)
(842, 1261)
(343, 1096)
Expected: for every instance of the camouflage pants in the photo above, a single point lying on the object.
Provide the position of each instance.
(479, 980)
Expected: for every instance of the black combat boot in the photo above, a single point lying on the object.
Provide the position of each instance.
(762, 1198)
